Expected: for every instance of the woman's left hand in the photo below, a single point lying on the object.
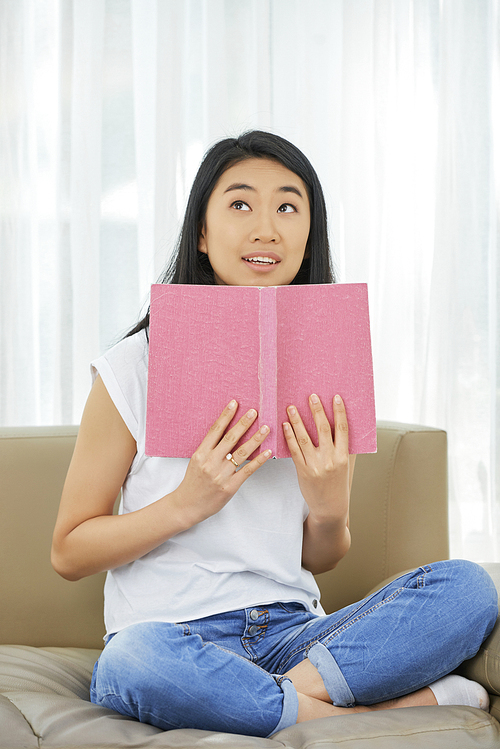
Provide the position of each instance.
(323, 471)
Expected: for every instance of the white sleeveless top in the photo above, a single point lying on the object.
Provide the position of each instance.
(248, 554)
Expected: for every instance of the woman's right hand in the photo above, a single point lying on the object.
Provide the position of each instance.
(211, 477)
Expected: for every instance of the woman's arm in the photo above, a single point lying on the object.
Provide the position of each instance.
(325, 476)
(326, 542)
(88, 538)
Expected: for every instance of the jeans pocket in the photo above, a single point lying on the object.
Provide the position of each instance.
(415, 579)
(293, 607)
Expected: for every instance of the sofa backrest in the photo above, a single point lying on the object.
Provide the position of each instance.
(398, 521)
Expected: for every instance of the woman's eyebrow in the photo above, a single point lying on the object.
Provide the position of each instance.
(239, 186)
(243, 186)
(291, 188)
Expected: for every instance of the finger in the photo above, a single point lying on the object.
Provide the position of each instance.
(301, 434)
(250, 467)
(249, 447)
(233, 435)
(293, 445)
(216, 431)
(323, 426)
(341, 430)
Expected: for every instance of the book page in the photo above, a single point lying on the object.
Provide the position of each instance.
(324, 347)
(204, 350)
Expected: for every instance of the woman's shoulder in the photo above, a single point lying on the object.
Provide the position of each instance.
(131, 351)
(125, 365)
(124, 371)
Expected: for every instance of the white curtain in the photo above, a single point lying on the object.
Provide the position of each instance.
(106, 107)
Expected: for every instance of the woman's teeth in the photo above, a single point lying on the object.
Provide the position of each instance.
(267, 260)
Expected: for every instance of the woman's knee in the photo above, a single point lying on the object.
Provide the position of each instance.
(475, 590)
(128, 661)
(159, 675)
(486, 594)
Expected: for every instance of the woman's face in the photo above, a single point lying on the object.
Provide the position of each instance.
(256, 225)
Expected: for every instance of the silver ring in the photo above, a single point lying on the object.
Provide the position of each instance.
(230, 457)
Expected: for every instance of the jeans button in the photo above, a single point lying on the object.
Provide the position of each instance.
(253, 630)
(254, 615)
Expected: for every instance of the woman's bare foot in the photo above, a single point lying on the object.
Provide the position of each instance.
(311, 707)
(314, 701)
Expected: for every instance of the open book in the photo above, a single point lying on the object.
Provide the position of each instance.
(266, 347)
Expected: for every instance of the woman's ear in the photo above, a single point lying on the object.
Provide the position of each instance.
(202, 243)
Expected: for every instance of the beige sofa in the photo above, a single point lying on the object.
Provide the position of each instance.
(52, 630)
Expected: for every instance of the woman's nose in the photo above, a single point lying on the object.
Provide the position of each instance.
(264, 230)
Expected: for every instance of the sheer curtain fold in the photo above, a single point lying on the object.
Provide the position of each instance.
(86, 182)
(463, 353)
(145, 40)
(106, 108)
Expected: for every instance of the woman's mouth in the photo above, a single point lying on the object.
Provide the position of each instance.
(262, 262)
(259, 260)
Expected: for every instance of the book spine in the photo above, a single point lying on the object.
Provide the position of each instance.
(268, 365)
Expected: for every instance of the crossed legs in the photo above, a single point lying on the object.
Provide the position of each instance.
(314, 701)
(364, 658)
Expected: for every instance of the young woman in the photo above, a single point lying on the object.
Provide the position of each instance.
(212, 611)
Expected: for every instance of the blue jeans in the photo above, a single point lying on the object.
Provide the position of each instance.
(226, 672)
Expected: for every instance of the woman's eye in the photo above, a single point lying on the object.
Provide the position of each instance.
(240, 205)
(286, 208)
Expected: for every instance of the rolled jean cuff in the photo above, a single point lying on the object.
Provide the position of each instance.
(290, 710)
(333, 678)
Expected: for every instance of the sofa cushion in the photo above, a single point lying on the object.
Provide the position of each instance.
(44, 702)
(415, 727)
(14, 728)
(63, 671)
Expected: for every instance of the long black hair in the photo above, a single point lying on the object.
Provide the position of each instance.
(190, 266)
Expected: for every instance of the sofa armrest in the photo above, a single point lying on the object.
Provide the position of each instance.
(38, 607)
(399, 512)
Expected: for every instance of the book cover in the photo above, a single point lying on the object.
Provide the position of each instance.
(266, 347)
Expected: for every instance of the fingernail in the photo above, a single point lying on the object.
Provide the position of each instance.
(264, 429)
(314, 398)
(338, 399)
(268, 453)
(292, 410)
(251, 413)
(232, 404)
(286, 426)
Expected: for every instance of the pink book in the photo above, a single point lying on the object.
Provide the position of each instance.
(266, 347)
